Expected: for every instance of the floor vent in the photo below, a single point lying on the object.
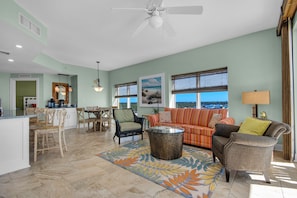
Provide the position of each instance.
(25, 22)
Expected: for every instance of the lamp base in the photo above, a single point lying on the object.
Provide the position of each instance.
(255, 110)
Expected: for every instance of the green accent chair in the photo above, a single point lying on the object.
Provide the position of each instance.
(244, 152)
(127, 123)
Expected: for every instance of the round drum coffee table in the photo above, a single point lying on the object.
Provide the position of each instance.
(166, 142)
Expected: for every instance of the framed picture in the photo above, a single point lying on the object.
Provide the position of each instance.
(152, 91)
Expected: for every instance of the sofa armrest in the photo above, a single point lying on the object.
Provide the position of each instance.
(225, 130)
(251, 140)
(153, 119)
(228, 120)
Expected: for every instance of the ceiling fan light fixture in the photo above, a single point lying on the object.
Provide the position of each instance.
(156, 21)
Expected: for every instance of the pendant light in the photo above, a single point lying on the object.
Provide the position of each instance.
(98, 87)
(57, 89)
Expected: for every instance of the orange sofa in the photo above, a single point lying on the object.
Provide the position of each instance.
(195, 122)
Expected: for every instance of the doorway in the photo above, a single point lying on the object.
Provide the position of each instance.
(19, 88)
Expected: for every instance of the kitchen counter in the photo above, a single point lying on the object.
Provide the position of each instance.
(11, 114)
(14, 142)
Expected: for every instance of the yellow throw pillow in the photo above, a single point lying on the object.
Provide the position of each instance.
(254, 126)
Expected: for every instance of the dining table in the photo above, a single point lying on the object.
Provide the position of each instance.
(99, 113)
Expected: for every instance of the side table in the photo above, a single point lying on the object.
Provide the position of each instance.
(166, 142)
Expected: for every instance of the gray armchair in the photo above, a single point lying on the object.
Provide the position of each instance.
(127, 123)
(244, 152)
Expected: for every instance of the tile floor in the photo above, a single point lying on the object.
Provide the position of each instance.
(82, 174)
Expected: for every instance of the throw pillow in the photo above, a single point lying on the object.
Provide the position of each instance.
(254, 126)
(214, 119)
(165, 116)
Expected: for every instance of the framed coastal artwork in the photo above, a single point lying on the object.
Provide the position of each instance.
(152, 91)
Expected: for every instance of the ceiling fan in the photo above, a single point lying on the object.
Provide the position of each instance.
(157, 12)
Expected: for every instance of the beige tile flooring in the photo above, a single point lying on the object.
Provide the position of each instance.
(82, 174)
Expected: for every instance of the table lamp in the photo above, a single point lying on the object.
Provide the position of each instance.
(255, 98)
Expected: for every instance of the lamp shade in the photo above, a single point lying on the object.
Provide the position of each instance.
(256, 97)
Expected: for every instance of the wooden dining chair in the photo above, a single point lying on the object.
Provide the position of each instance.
(81, 119)
(105, 117)
(41, 144)
(31, 111)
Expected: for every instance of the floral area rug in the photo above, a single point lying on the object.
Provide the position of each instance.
(192, 175)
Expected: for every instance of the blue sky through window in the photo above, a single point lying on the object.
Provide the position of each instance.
(205, 97)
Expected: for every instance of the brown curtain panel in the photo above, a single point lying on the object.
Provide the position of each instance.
(286, 87)
(288, 10)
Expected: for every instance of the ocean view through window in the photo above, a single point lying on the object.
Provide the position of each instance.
(211, 100)
(203, 89)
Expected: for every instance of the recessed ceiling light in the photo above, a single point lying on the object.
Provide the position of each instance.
(10, 60)
(19, 46)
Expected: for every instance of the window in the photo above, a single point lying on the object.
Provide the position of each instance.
(126, 95)
(204, 89)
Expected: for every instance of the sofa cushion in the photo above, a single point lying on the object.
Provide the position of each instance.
(187, 116)
(204, 118)
(165, 116)
(214, 120)
(254, 126)
(195, 116)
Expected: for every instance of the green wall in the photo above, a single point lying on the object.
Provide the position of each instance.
(4, 90)
(24, 89)
(253, 61)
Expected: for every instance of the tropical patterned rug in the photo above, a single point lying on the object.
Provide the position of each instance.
(192, 175)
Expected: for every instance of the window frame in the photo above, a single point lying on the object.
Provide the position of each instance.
(197, 90)
(197, 75)
(128, 95)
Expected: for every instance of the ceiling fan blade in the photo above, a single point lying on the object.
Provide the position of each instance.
(159, 3)
(149, 4)
(133, 9)
(184, 10)
(141, 27)
(3, 52)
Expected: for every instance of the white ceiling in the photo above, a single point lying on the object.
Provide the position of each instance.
(80, 32)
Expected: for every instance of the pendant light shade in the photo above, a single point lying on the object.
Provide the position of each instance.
(98, 87)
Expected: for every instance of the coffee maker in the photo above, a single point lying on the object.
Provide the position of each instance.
(61, 103)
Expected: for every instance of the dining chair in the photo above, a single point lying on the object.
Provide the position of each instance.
(81, 119)
(105, 117)
(45, 131)
(31, 111)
